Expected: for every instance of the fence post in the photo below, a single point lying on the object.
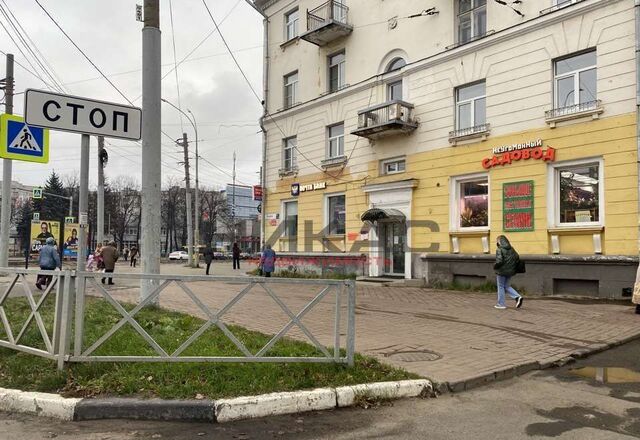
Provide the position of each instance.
(336, 329)
(351, 323)
(57, 316)
(81, 286)
(66, 318)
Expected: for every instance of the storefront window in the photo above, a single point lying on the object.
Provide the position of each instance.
(336, 211)
(291, 219)
(473, 203)
(579, 193)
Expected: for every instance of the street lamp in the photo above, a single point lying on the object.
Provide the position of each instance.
(197, 201)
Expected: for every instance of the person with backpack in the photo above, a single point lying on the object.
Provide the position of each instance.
(48, 260)
(507, 265)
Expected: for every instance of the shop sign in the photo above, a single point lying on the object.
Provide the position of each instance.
(507, 154)
(272, 219)
(518, 206)
(257, 193)
(297, 188)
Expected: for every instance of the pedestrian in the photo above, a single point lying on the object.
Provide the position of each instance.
(48, 260)
(97, 257)
(507, 265)
(235, 253)
(208, 256)
(134, 256)
(636, 292)
(109, 256)
(125, 253)
(268, 261)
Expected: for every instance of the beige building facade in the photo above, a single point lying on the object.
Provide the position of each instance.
(407, 135)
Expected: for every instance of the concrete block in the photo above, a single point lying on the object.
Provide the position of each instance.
(41, 404)
(346, 396)
(274, 404)
(145, 409)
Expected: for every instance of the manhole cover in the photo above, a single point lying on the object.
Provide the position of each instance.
(415, 356)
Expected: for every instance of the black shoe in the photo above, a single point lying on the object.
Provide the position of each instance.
(519, 302)
(103, 281)
(39, 287)
(638, 309)
(111, 284)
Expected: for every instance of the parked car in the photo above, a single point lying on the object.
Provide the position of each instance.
(179, 255)
(218, 255)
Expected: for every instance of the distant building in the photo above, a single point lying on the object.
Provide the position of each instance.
(20, 193)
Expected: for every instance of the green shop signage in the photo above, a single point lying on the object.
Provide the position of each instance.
(517, 206)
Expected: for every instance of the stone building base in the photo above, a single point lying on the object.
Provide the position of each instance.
(589, 275)
(323, 264)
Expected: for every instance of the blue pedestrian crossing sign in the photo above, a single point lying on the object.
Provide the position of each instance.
(19, 141)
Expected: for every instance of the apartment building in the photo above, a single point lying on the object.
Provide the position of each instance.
(405, 136)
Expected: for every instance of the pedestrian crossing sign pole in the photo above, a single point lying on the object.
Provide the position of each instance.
(19, 141)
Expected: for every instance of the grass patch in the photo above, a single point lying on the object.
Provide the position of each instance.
(175, 380)
(306, 274)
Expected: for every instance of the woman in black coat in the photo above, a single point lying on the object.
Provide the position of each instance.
(507, 261)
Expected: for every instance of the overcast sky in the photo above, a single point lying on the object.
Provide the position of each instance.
(210, 84)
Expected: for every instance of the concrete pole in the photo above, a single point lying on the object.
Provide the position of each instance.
(233, 200)
(197, 207)
(83, 201)
(7, 169)
(100, 194)
(151, 147)
(187, 179)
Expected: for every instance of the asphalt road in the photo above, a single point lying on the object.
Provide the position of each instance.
(554, 404)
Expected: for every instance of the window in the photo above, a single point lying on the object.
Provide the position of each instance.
(472, 19)
(291, 25)
(289, 154)
(396, 64)
(575, 80)
(339, 11)
(394, 91)
(392, 166)
(336, 72)
(336, 214)
(290, 89)
(471, 204)
(336, 141)
(291, 219)
(471, 102)
(561, 3)
(578, 191)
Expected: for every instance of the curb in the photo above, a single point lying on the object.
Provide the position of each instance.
(518, 370)
(218, 411)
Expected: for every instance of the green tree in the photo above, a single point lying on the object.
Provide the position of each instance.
(24, 214)
(53, 208)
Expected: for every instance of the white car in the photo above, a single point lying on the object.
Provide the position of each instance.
(179, 255)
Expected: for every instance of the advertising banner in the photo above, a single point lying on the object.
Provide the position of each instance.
(518, 206)
(40, 231)
(70, 245)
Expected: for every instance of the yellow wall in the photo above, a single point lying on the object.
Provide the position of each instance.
(613, 139)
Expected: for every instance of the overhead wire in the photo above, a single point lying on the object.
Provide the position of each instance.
(175, 64)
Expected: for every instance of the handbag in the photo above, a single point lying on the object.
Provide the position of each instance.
(521, 267)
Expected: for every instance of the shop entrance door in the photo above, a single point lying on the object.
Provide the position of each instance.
(394, 239)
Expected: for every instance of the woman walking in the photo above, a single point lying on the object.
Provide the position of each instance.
(49, 260)
(636, 292)
(507, 263)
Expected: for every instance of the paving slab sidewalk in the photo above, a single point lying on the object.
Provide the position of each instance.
(448, 337)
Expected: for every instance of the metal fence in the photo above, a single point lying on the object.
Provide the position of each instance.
(211, 297)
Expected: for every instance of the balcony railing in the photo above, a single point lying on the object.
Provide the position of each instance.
(584, 108)
(469, 132)
(327, 23)
(386, 119)
(559, 6)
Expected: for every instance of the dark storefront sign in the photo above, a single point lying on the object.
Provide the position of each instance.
(518, 206)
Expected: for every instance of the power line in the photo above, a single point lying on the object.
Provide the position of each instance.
(175, 64)
(35, 75)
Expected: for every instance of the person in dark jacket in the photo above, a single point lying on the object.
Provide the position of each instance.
(134, 254)
(208, 256)
(49, 260)
(110, 255)
(507, 261)
(236, 256)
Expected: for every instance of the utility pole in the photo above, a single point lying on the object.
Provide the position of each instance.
(233, 199)
(151, 146)
(7, 169)
(100, 222)
(187, 179)
(197, 207)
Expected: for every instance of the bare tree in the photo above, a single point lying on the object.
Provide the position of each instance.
(123, 205)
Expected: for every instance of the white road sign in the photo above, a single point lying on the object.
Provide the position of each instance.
(82, 115)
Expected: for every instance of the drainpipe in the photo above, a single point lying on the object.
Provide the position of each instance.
(637, 15)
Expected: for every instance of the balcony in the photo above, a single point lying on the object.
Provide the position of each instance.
(463, 134)
(327, 23)
(591, 108)
(390, 118)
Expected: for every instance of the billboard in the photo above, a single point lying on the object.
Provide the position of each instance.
(40, 231)
(70, 245)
